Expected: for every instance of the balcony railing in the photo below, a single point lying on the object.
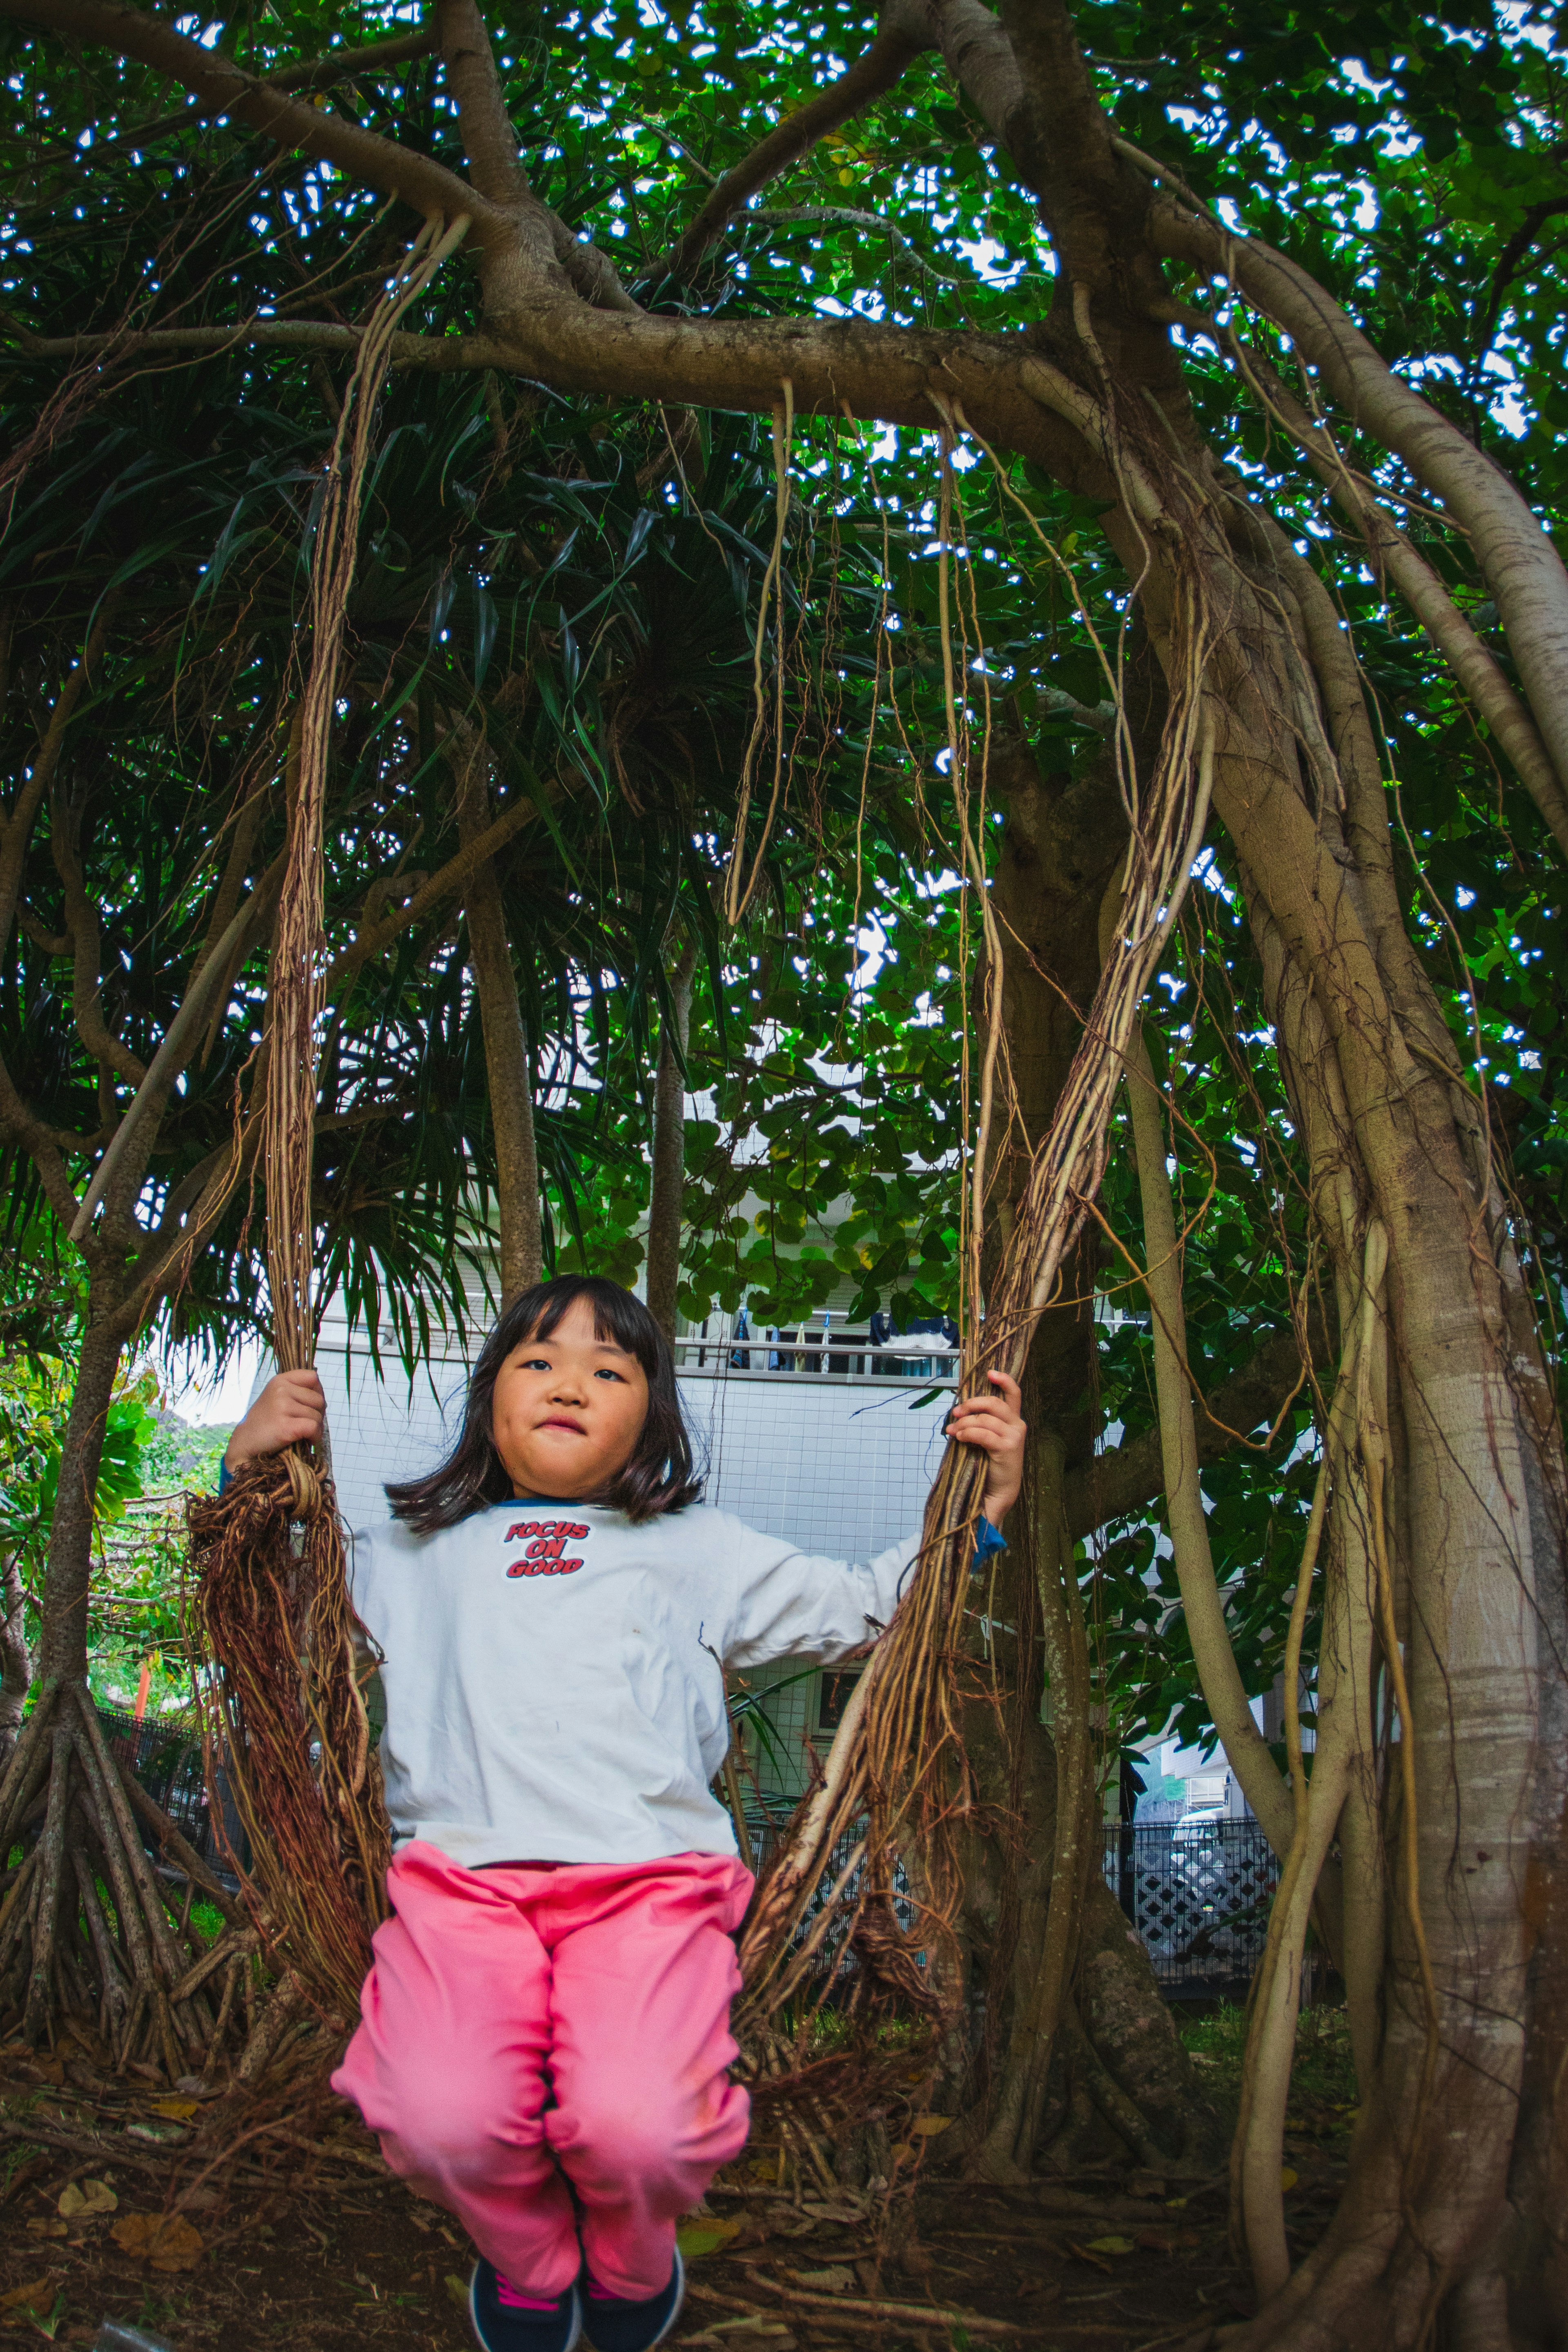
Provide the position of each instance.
(814, 1351)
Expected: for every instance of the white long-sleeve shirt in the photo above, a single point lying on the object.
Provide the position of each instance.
(555, 1675)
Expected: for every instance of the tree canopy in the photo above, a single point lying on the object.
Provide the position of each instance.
(864, 480)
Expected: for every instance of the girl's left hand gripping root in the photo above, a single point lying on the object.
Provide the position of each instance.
(996, 1425)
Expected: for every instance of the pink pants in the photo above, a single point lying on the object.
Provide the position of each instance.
(543, 2052)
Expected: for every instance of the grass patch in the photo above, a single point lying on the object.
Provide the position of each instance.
(1323, 2078)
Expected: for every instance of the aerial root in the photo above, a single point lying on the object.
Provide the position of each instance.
(91, 1930)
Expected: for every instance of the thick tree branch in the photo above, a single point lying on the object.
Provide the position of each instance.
(1057, 107)
(590, 268)
(16, 823)
(508, 1066)
(441, 885)
(976, 52)
(440, 354)
(898, 374)
(488, 136)
(1477, 671)
(54, 943)
(979, 53)
(322, 73)
(900, 38)
(371, 56)
(1121, 1481)
(37, 1139)
(1517, 560)
(87, 974)
(224, 87)
(543, 330)
(181, 1040)
(491, 140)
(887, 372)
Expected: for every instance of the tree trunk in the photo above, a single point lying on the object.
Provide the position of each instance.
(1466, 1576)
(508, 1067)
(62, 1656)
(16, 1659)
(1062, 1992)
(1060, 842)
(665, 1201)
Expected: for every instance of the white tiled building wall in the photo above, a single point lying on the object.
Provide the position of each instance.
(837, 1466)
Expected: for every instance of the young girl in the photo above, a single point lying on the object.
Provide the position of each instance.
(544, 2037)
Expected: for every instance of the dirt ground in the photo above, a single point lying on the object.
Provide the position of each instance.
(304, 2240)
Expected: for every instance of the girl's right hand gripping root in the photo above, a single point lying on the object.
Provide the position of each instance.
(290, 1411)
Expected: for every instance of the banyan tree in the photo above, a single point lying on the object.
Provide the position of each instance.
(1232, 465)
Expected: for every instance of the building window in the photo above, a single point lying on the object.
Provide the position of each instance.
(833, 1697)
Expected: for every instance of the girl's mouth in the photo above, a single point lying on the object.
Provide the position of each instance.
(559, 1422)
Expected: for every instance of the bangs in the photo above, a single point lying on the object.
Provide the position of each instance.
(618, 1316)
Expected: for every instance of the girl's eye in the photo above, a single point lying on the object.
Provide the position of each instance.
(606, 1374)
(536, 1364)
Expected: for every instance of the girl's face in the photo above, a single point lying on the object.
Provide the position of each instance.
(567, 1412)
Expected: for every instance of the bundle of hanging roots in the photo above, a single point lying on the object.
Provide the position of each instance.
(285, 1714)
(894, 1785)
(285, 1723)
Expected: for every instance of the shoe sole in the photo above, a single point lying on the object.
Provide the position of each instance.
(478, 2333)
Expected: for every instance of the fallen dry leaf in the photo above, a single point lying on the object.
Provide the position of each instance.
(167, 2241)
(36, 2291)
(700, 2238)
(85, 2197)
(928, 2127)
(45, 2229)
(1287, 2178)
(1110, 2245)
(836, 2278)
(179, 2111)
(457, 2292)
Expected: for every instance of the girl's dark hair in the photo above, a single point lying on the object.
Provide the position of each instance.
(660, 1475)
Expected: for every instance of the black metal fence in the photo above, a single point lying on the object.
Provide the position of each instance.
(165, 1759)
(1198, 1892)
(766, 1829)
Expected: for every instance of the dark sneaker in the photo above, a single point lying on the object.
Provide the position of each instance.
(504, 2319)
(614, 2325)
